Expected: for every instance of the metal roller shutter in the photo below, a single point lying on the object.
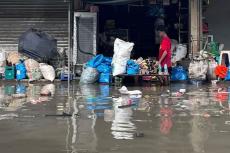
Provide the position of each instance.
(16, 16)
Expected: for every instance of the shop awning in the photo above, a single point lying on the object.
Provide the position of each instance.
(111, 2)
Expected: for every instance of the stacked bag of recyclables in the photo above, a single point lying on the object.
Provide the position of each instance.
(99, 67)
(132, 67)
(20, 70)
(179, 74)
(198, 69)
(30, 68)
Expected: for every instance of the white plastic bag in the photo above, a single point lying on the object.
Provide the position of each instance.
(181, 52)
(125, 91)
(32, 68)
(2, 56)
(89, 75)
(198, 69)
(48, 71)
(122, 51)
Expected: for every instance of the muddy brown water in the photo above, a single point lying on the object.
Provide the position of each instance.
(161, 121)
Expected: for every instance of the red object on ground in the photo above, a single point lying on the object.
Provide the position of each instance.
(221, 71)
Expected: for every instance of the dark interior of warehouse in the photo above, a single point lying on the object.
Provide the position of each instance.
(137, 22)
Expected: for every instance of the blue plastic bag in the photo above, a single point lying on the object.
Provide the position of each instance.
(179, 74)
(20, 71)
(104, 68)
(107, 60)
(132, 67)
(95, 61)
(104, 78)
(227, 78)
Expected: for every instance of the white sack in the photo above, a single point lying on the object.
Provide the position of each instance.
(198, 70)
(122, 52)
(2, 56)
(48, 71)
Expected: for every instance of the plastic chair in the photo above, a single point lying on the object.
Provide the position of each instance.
(224, 52)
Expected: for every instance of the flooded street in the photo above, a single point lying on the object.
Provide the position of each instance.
(91, 119)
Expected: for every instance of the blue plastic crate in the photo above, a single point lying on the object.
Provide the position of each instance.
(64, 76)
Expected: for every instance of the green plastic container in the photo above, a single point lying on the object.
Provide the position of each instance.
(9, 72)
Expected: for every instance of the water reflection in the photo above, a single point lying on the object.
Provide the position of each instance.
(14, 97)
(122, 126)
(192, 122)
(166, 115)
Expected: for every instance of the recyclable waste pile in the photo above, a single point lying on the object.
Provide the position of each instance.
(97, 69)
(34, 60)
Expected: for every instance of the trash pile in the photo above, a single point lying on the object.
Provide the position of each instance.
(210, 64)
(34, 60)
(100, 68)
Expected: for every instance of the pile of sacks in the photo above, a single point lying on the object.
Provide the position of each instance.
(26, 67)
(98, 68)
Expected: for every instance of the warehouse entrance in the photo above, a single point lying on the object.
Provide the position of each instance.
(137, 22)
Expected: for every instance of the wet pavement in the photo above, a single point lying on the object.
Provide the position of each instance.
(88, 119)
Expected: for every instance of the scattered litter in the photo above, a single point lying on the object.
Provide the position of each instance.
(61, 115)
(227, 122)
(125, 106)
(206, 115)
(81, 106)
(214, 82)
(182, 90)
(19, 95)
(125, 91)
(224, 131)
(138, 134)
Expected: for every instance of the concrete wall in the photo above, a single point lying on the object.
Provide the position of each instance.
(218, 17)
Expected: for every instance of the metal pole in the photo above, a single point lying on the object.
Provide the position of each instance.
(70, 39)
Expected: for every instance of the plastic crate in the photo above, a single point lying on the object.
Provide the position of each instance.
(9, 72)
(64, 76)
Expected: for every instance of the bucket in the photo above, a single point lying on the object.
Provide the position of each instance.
(9, 72)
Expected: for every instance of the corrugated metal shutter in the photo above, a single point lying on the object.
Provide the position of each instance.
(16, 16)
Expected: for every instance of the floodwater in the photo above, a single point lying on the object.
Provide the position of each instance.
(161, 121)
